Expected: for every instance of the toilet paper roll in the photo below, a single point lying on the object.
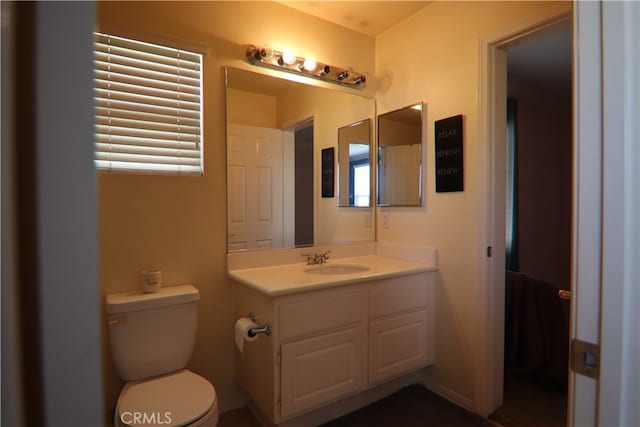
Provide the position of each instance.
(242, 327)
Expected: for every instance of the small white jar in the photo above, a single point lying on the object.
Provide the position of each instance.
(151, 280)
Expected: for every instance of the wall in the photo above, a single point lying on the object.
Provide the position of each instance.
(544, 182)
(331, 111)
(248, 108)
(178, 224)
(433, 57)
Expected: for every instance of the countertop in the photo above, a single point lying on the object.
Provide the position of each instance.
(287, 279)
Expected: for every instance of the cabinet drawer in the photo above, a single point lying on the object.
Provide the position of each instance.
(321, 312)
(398, 345)
(318, 370)
(398, 295)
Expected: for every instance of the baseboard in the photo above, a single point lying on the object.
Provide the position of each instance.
(449, 394)
(229, 403)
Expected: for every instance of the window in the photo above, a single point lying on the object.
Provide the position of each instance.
(359, 182)
(148, 107)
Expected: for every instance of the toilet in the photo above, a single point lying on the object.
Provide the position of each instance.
(152, 338)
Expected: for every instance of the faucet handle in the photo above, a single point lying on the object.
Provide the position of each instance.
(309, 257)
(324, 256)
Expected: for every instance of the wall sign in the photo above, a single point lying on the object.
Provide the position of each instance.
(449, 170)
(328, 176)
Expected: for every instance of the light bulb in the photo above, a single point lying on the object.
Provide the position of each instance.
(288, 57)
(310, 64)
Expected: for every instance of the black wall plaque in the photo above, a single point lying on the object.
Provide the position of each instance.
(449, 170)
(328, 177)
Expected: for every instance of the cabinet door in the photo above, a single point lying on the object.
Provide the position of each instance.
(321, 369)
(398, 345)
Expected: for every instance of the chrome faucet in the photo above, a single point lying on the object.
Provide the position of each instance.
(320, 258)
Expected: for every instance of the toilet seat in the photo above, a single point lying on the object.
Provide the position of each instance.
(176, 399)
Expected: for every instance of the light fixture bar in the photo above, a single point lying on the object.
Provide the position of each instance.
(285, 61)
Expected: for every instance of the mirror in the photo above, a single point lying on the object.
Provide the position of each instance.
(354, 165)
(276, 130)
(400, 157)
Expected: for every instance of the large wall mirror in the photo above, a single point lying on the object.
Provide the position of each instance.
(400, 149)
(354, 165)
(276, 130)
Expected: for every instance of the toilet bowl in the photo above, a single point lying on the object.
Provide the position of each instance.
(152, 338)
(178, 399)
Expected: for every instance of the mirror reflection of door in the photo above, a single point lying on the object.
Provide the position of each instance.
(400, 165)
(255, 187)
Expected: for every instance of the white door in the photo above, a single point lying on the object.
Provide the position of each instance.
(401, 165)
(254, 160)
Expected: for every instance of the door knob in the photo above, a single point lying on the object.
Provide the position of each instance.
(562, 294)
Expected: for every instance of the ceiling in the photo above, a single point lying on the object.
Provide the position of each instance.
(368, 17)
(543, 60)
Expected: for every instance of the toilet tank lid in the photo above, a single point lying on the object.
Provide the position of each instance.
(137, 300)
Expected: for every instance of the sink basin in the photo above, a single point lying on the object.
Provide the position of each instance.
(337, 269)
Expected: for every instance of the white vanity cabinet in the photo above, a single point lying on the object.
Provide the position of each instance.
(334, 342)
(322, 347)
(400, 326)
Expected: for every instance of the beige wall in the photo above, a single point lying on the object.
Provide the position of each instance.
(331, 110)
(178, 224)
(433, 57)
(254, 109)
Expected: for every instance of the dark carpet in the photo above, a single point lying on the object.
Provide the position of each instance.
(411, 406)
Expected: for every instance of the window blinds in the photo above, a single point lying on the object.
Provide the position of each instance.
(148, 107)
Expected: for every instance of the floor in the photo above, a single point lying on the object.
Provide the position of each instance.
(527, 404)
(411, 406)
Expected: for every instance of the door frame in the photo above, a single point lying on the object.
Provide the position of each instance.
(605, 218)
(489, 363)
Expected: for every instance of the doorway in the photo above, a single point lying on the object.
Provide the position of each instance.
(538, 229)
(303, 191)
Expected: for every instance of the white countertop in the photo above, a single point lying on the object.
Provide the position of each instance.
(291, 278)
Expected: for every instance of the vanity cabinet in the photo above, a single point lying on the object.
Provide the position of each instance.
(400, 328)
(322, 354)
(334, 342)
(321, 369)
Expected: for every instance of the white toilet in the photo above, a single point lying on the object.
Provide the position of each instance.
(152, 338)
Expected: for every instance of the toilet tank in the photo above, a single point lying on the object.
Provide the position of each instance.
(152, 334)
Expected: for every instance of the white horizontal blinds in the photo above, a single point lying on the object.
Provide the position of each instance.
(148, 107)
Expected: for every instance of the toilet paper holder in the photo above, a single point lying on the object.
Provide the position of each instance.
(266, 329)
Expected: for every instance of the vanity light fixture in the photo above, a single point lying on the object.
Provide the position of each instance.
(288, 61)
(309, 64)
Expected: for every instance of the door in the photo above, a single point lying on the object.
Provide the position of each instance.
(401, 166)
(255, 187)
